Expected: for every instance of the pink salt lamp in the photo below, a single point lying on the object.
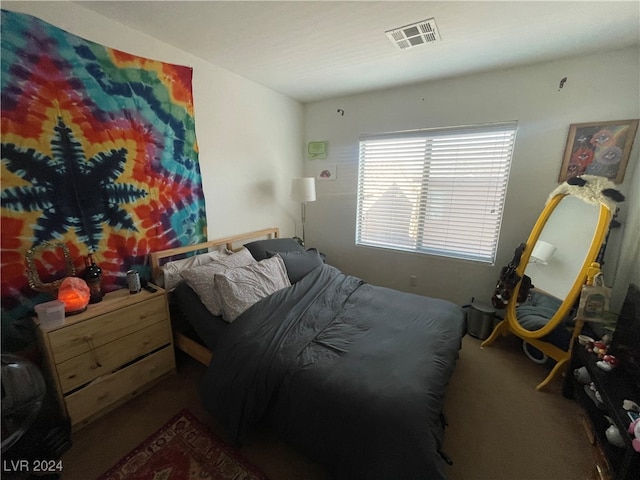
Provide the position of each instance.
(74, 293)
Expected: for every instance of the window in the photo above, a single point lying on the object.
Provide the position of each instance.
(439, 192)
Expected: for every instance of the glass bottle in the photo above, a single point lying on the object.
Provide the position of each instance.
(93, 277)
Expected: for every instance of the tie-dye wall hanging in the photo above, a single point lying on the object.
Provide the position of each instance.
(98, 152)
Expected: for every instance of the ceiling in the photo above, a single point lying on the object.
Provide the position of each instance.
(310, 50)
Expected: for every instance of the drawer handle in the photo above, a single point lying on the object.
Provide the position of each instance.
(92, 349)
(102, 396)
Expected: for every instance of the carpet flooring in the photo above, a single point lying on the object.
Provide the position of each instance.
(500, 427)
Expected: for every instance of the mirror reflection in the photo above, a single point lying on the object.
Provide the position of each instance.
(557, 259)
(559, 256)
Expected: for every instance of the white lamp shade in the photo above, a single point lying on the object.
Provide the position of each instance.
(542, 252)
(303, 189)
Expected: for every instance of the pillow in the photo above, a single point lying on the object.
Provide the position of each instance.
(240, 288)
(259, 248)
(202, 278)
(171, 270)
(298, 264)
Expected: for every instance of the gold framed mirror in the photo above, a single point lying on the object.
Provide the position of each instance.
(35, 282)
(559, 255)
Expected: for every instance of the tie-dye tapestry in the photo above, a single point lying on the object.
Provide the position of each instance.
(98, 152)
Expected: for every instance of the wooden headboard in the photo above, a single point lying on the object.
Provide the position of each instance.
(181, 341)
(163, 256)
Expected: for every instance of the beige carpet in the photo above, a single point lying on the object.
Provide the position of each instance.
(500, 427)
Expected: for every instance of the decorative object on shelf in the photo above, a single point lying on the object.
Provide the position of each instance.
(599, 148)
(613, 434)
(593, 393)
(608, 363)
(35, 282)
(74, 293)
(303, 190)
(93, 277)
(582, 376)
(133, 281)
(608, 400)
(594, 307)
(594, 300)
(586, 341)
(633, 410)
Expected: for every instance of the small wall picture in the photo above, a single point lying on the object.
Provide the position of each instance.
(600, 148)
(316, 150)
(327, 172)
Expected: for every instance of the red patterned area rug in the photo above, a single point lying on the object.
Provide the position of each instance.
(183, 449)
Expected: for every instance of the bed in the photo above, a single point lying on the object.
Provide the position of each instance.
(351, 374)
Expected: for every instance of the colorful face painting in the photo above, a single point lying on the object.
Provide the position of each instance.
(98, 153)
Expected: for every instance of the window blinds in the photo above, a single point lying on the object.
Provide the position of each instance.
(439, 191)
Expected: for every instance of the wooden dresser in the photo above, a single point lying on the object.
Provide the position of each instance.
(102, 357)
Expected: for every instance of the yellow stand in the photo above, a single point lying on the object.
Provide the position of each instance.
(560, 356)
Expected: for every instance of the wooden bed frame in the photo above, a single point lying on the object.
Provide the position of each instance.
(182, 341)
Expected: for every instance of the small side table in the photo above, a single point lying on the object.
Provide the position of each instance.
(102, 357)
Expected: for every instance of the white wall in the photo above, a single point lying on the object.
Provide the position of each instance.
(629, 262)
(248, 136)
(249, 139)
(598, 88)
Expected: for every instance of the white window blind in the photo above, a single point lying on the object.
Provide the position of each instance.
(435, 191)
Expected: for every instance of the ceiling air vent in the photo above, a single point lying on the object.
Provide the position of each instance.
(414, 35)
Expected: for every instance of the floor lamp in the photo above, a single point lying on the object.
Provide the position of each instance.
(303, 190)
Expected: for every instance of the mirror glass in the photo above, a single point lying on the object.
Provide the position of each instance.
(557, 258)
(569, 229)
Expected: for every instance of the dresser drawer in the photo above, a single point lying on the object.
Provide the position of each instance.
(79, 370)
(113, 387)
(80, 338)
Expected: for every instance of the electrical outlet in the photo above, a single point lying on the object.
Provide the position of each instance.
(412, 280)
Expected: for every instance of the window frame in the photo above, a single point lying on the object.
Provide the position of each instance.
(493, 164)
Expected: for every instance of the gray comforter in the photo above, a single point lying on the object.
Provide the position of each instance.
(351, 374)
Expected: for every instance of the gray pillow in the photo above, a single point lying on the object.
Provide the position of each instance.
(259, 248)
(298, 264)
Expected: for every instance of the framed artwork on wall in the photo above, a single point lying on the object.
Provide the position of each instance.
(327, 171)
(599, 148)
(317, 150)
